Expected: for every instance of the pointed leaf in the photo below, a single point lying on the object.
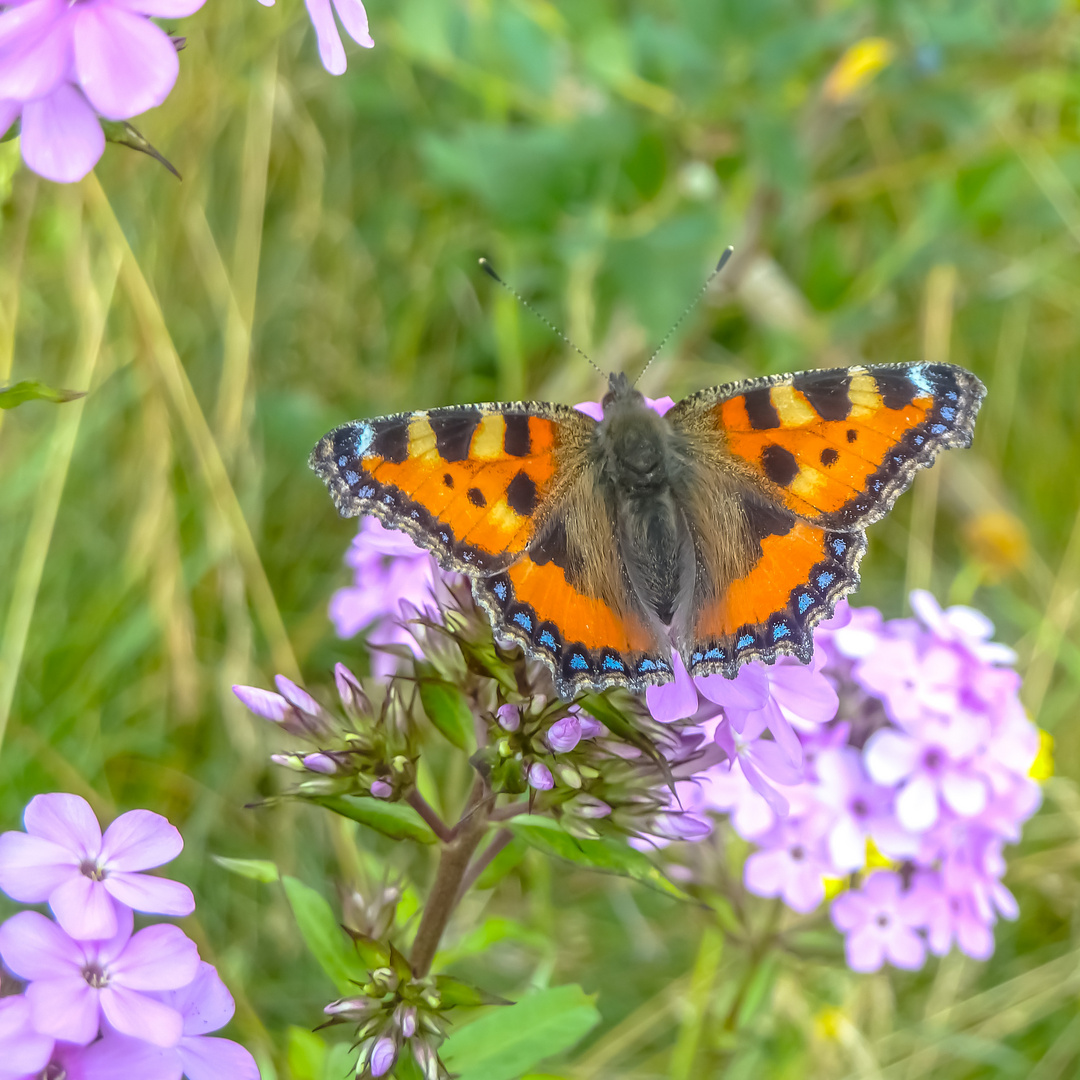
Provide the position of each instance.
(399, 821)
(448, 709)
(121, 132)
(607, 855)
(455, 992)
(618, 723)
(373, 954)
(323, 936)
(508, 1042)
(32, 390)
(257, 869)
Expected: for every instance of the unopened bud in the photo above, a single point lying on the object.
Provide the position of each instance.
(405, 1019)
(320, 763)
(383, 1056)
(509, 717)
(564, 734)
(569, 776)
(381, 789)
(540, 777)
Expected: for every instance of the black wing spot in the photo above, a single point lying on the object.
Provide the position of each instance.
(476, 497)
(760, 409)
(779, 464)
(827, 393)
(766, 519)
(517, 442)
(454, 432)
(852, 434)
(392, 443)
(448, 480)
(521, 495)
(829, 456)
(897, 391)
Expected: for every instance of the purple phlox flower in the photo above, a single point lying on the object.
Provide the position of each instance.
(791, 863)
(380, 789)
(383, 1055)
(933, 767)
(675, 700)
(62, 65)
(966, 627)
(852, 633)
(63, 858)
(880, 921)
(759, 758)
(591, 728)
(909, 684)
(728, 791)
(564, 734)
(74, 983)
(23, 1050)
(508, 717)
(294, 709)
(389, 570)
(353, 17)
(540, 778)
(858, 810)
(596, 410)
(950, 917)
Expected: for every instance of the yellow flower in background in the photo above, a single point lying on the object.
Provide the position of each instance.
(1042, 768)
(859, 64)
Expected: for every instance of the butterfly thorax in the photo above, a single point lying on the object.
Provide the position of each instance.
(641, 464)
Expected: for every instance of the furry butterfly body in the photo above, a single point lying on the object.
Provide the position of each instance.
(725, 529)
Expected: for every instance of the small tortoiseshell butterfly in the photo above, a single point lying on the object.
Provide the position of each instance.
(726, 529)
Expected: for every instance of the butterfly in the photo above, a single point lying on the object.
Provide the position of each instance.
(725, 529)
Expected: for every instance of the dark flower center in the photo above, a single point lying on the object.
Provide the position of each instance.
(933, 759)
(798, 853)
(95, 976)
(54, 1071)
(89, 868)
(859, 808)
(882, 920)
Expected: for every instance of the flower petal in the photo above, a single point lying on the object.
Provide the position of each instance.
(125, 64)
(205, 1003)
(211, 1059)
(160, 957)
(263, 703)
(84, 909)
(331, 51)
(153, 894)
(964, 794)
(905, 949)
(890, 756)
(917, 805)
(139, 840)
(66, 1009)
(61, 139)
(22, 1049)
(34, 947)
(66, 820)
(354, 18)
(140, 1016)
(161, 9)
(865, 951)
(32, 867)
(674, 700)
(35, 40)
(119, 1057)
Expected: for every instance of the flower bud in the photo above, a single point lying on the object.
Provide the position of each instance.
(295, 696)
(569, 776)
(564, 734)
(350, 691)
(426, 1059)
(540, 777)
(590, 728)
(405, 1019)
(675, 826)
(587, 806)
(381, 789)
(320, 763)
(353, 1008)
(509, 717)
(289, 761)
(383, 1056)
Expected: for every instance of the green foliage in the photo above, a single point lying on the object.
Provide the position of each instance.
(509, 1041)
(32, 390)
(323, 935)
(395, 820)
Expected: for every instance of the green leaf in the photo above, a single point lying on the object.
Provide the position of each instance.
(32, 390)
(305, 1054)
(455, 992)
(399, 821)
(13, 131)
(490, 932)
(448, 709)
(618, 723)
(257, 869)
(606, 855)
(508, 1042)
(501, 865)
(327, 942)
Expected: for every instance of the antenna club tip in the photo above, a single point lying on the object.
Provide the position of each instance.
(488, 269)
(728, 252)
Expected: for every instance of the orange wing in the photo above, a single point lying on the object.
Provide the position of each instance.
(586, 642)
(838, 446)
(468, 483)
(801, 570)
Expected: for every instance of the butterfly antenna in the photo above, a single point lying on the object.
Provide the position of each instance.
(490, 271)
(728, 252)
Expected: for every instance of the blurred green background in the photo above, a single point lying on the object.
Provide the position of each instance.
(900, 181)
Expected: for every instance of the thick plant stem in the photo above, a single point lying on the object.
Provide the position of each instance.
(453, 865)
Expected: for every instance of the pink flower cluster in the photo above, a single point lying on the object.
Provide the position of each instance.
(101, 1001)
(62, 65)
(928, 762)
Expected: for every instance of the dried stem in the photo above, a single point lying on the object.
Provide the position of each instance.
(453, 865)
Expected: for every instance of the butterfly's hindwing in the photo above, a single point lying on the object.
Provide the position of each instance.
(837, 446)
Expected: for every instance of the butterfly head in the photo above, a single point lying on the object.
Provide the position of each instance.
(620, 389)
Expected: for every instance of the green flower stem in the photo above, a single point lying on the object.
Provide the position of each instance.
(453, 865)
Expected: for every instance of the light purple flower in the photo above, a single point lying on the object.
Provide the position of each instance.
(540, 777)
(380, 789)
(909, 683)
(791, 864)
(675, 700)
(294, 709)
(74, 983)
(63, 858)
(880, 922)
(564, 734)
(23, 1050)
(353, 17)
(383, 1055)
(509, 717)
(596, 410)
(963, 626)
(62, 65)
